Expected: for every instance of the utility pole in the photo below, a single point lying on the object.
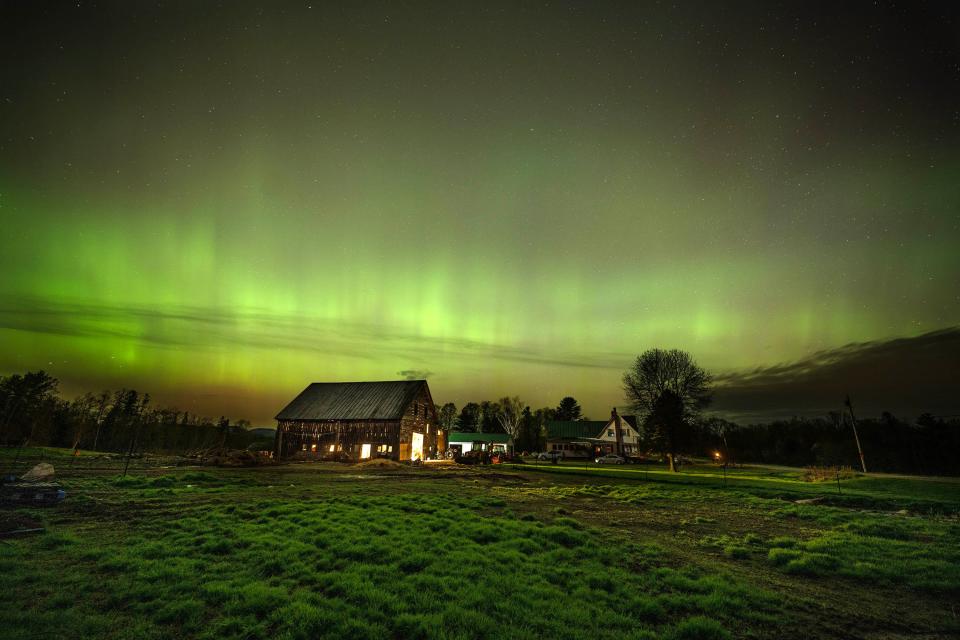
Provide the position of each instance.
(853, 421)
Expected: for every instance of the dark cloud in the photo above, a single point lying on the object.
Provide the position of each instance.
(201, 327)
(905, 376)
(414, 374)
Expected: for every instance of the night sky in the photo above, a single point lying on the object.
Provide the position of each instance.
(218, 203)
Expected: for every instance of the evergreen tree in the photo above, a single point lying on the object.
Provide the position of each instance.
(568, 409)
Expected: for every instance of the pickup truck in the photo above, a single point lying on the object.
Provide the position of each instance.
(550, 455)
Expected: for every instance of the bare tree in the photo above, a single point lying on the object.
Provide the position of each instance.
(102, 402)
(668, 389)
(510, 416)
(659, 370)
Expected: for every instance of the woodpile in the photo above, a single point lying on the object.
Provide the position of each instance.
(231, 458)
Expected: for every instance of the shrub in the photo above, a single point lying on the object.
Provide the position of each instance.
(785, 542)
(567, 522)
(812, 564)
(782, 556)
(563, 536)
(697, 628)
(736, 551)
(891, 530)
(752, 538)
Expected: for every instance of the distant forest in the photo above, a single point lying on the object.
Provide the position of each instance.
(32, 412)
(928, 445)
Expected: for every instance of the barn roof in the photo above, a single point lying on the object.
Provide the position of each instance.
(353, 400)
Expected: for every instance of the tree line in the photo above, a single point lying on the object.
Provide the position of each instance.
(668, 391)
(32, 412)
(526, 426)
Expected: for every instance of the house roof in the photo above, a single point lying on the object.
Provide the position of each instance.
(574, 428)
(468, 436)
(581, 429)
(386, 400)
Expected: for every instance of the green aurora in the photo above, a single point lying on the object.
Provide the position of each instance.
(222, 209)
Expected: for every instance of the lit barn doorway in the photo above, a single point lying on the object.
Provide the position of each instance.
(416, 447)
(364, 451)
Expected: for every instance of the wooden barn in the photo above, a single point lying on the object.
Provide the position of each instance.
(359, 420)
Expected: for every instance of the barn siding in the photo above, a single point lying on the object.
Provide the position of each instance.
(344, 436)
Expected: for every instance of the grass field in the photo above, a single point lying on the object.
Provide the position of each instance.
(341, 551)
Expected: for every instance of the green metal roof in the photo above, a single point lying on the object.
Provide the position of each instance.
(575, 428)
(467, 436)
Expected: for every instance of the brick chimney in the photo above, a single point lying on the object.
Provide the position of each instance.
(618, 431)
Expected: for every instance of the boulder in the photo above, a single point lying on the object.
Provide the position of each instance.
(43, 472)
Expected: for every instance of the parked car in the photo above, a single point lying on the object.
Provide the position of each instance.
(550, 455)
(610, 458)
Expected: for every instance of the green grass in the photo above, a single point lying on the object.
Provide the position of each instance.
(941, 495)
(330, 551)
(882, 547)
(354, 566)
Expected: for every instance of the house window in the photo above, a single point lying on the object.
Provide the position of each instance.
(609, 433)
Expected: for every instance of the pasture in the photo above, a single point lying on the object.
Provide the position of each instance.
(368, 551)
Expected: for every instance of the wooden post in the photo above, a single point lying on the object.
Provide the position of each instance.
(853, 421)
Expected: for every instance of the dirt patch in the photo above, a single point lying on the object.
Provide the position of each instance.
(12, 521)
(380, 463)
(501, 477)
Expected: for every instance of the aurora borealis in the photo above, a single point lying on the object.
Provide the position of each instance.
(219, 203)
